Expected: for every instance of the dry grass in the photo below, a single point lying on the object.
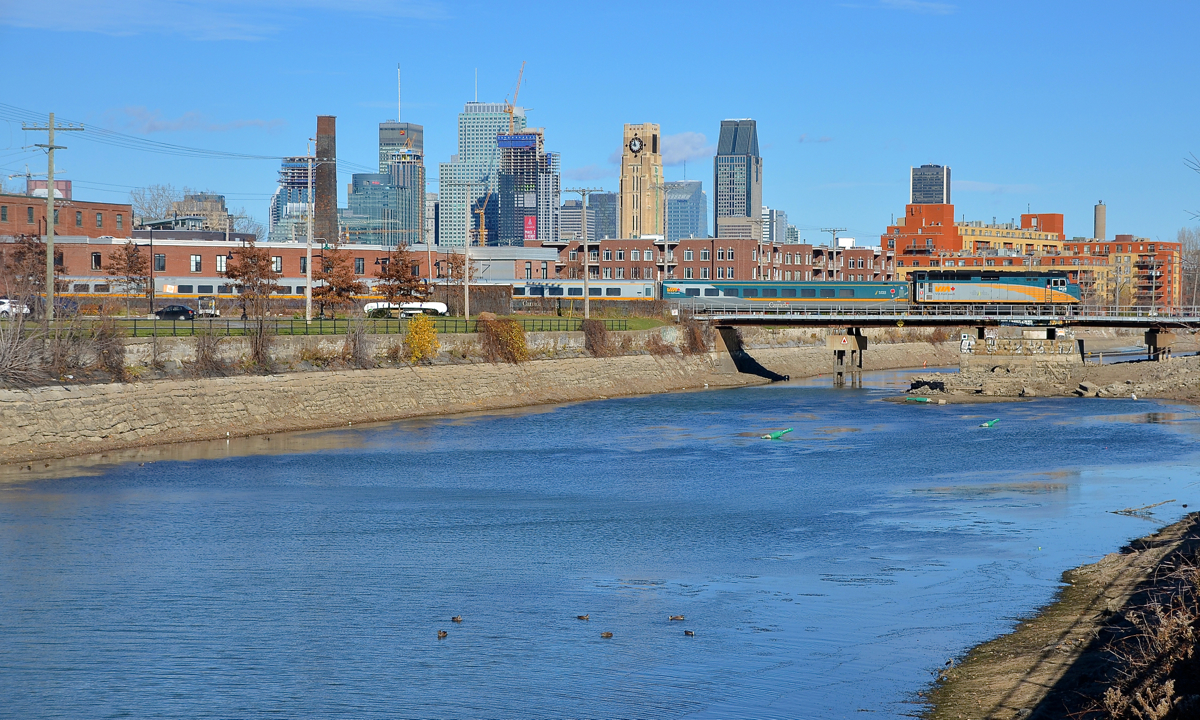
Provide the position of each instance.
(501, 340)
(108, 347)
(656, 346)
(696, 337)
(356, 351)
(208, 362)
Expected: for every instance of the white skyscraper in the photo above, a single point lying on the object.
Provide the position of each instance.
(472, 173)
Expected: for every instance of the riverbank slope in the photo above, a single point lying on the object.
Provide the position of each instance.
(1073, 659)
(61, 420)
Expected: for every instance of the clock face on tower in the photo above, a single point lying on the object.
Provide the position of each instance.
(635, 145)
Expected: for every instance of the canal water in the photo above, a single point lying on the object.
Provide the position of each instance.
(828, 573)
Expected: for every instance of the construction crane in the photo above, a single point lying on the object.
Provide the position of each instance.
(482, 222)
(510, 107)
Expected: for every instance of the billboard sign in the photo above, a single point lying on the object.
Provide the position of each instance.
(516, 141)
(531, 227)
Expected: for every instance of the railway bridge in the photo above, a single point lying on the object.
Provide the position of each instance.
(1045, 330)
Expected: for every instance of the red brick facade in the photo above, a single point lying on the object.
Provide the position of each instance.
(26, 215)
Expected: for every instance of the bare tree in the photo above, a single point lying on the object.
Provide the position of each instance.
(154, 202)
(242, 222)
(21, 275)
(251, 270)
(131, 269)
(1189, 238)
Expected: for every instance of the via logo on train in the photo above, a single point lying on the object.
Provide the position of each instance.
(924, 287)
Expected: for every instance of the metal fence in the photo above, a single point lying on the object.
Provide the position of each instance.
(946, 312)
(340, 326)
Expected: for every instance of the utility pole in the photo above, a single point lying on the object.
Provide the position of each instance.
(833, 246)
(308, 249)
(50, 147)
(583, 198)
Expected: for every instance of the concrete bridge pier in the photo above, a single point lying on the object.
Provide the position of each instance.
(848, 347)
(1158, 343)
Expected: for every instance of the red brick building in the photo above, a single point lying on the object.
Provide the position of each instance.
(26, 215)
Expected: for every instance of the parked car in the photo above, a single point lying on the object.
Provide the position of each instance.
(7, 309)
(175, 312)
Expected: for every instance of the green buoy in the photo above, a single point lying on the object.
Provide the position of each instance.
(989, 423)
(776, 435)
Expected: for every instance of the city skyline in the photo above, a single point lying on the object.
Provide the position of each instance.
(836, 147)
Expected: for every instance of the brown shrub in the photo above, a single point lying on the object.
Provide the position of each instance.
(595, 338)
(108, 345)
(208, 362)
(656, 346)
(937, 335)
(695, 337)
(356, 351)
(501, 340)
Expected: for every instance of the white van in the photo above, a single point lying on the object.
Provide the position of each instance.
(386, 309)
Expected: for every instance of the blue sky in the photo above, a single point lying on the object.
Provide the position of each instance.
(1045, 105)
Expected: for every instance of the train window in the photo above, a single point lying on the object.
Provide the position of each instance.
(788, 292)
(692, 292)
(186, 289)
(283, 289)
(808, 292)
(537, 291)
(100, 288)
(770, 292)
(207, 289)
(826, 292)
(518, 290)
(224, 289)
(616, 292)
(593, 292)
(711, 292)
(730, 292)
(750, 292)
(79, 288)
(846, 292)
(555, 291)
(577, 292)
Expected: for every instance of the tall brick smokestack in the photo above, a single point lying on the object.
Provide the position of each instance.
(325, 223)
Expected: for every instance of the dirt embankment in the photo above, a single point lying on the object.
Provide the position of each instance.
(1119, 642)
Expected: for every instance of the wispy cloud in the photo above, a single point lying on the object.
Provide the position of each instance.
(143, 121)
(823, 139)
(681, 147)
(200, 19)
(589, 172)
(995, 188)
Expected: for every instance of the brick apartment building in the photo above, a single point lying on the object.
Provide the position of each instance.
(1127, 270)
(26, 215)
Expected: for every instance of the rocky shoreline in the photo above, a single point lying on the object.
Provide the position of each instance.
(1173, 379)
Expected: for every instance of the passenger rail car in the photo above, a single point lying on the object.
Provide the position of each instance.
(573, 289)
(768, 294)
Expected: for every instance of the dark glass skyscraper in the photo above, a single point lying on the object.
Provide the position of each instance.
(687, 210)
(930, 185)
(604, 214)
(737, 181)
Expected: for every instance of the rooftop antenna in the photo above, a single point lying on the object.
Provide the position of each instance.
(399, 95)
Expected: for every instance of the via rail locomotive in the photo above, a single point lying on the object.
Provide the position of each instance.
(923, 288)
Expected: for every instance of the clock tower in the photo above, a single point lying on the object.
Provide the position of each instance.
(643, 197)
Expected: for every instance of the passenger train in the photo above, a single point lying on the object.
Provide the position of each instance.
(922, 288)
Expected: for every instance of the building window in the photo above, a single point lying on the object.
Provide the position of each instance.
(120, 221)
(304, 266)
(687, 272)
(99, 220)
(607, 254)
(195, 263)
(96, 261)
(620, 273)
(78, 218)
(545, 271)
(704, 254)
(360, 266)
(620, 256)
(221, 263)
(594, 255)
(160, 262)
(277, 263)
(720, 253)
(729, 256)
(3, 213)
(720, 273)
(635, 255)
(528, 271)
(29, 215)
(56, 217)
(687, 255)
(703, 273)
(573, 255)
(729, 273)
(608, 273)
